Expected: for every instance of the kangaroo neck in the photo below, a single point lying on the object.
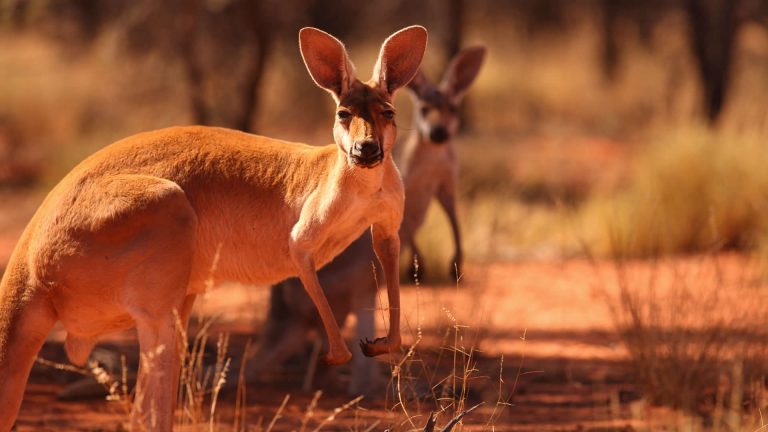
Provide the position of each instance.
(348, 176)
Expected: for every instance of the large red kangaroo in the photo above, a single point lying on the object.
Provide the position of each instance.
(130, 235)
(430, 168)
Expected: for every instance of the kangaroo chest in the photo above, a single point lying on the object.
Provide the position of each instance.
(344, 226)
(430, 168)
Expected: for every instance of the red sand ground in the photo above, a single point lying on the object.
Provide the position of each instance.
(574, 373)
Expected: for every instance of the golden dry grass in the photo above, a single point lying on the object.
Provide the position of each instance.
(691, 190)
(529, 189)
(696, 338)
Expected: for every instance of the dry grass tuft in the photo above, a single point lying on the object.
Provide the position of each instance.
(692, 190)
(443, 379)
(698, 347)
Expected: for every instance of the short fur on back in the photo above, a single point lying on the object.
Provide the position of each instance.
(133, 233)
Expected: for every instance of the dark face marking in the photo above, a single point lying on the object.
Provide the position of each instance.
(365, 124)
(437, 116)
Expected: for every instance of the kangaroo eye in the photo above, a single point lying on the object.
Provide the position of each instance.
(343, 115)
(388, 114)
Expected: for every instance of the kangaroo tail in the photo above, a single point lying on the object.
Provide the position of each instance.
(26, 317)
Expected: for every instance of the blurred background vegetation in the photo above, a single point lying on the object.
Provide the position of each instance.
(598, 128)
(607, 127)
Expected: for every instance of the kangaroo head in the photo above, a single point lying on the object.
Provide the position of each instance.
(436, 106)
(364, 128)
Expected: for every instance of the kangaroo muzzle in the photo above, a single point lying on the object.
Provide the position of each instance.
(367, 153)
(439, 135)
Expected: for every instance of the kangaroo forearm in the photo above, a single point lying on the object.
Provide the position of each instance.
(388, 250)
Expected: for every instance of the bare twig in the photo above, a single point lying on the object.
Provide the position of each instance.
(432, 422)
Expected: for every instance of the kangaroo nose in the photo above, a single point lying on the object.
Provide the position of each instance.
(367, 149)
(438, 134)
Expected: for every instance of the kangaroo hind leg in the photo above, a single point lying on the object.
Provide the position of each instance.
(150, 237)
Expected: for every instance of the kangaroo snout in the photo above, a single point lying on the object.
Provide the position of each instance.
(366, 153)
(438, 134)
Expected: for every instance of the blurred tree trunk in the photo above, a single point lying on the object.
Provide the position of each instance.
(713, 25)
(341, 18)
(261, 34)
(455, 28)
(254, 31)
(610, 51)
(452, 44)
(249, 89)
(193, 71)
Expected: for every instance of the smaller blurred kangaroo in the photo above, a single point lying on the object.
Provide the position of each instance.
(429, 166)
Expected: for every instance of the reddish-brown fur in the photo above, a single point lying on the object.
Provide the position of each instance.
(429, 169)
(137, 230)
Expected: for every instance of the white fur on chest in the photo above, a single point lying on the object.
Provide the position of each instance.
(344, 226)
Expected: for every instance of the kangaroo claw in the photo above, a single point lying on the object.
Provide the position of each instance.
(378, 346)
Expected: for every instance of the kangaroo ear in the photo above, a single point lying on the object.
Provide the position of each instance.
(420, 83)
(326, 60)
(462, 71)
(400, 58)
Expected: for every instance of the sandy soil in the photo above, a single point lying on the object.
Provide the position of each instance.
(563, 366)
